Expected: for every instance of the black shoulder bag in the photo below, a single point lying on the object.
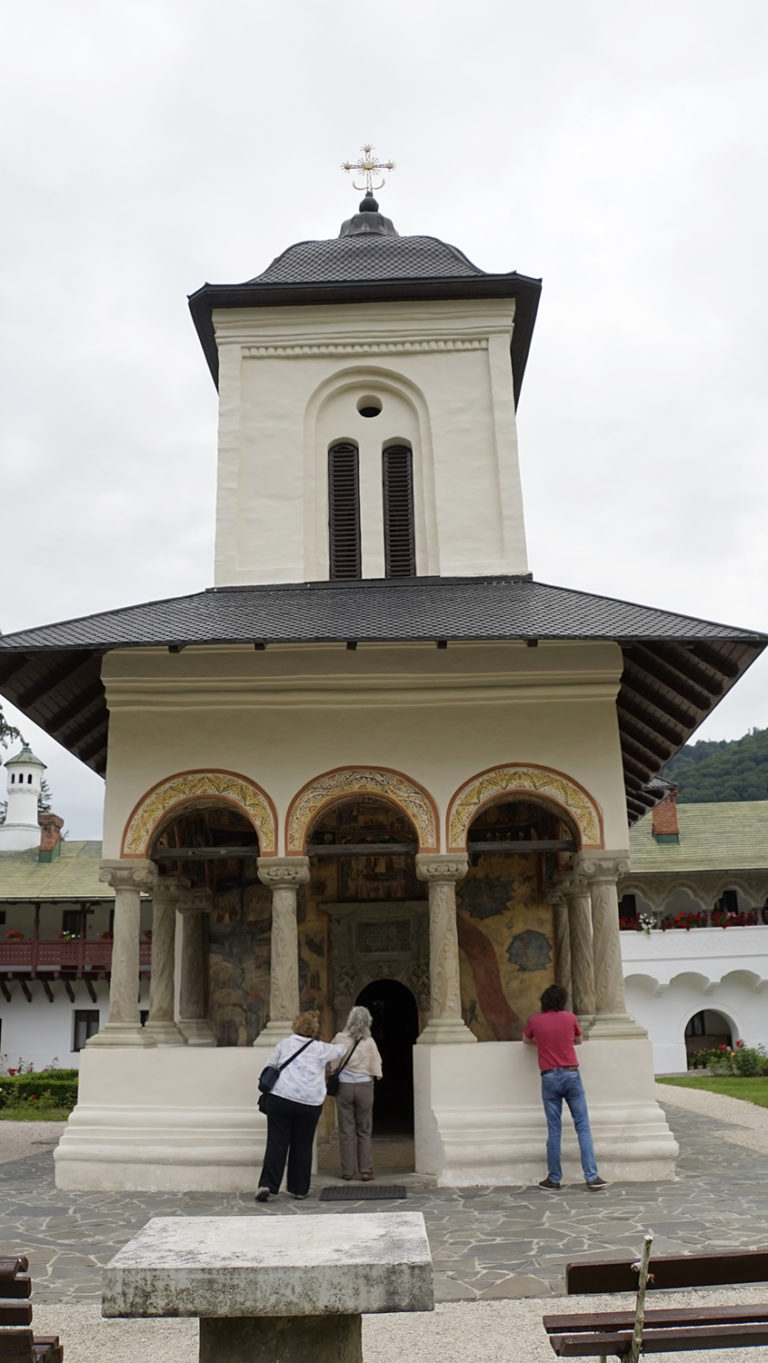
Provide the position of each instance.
(332, 1080)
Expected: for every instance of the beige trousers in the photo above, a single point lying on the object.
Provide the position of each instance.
(354, 1109)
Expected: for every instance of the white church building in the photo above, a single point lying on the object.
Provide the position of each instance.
(376, 761)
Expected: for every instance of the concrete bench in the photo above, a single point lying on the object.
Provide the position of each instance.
(282, 1289)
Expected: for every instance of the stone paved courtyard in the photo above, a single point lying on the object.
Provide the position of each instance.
(487, 1243)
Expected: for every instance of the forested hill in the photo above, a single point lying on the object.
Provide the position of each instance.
(728, 770)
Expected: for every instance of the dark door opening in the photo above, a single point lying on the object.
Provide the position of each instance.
(395, 1028)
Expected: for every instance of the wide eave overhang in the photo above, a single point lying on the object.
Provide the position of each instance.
(257, 294)
(675, 668)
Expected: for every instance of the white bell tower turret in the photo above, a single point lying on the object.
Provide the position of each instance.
(24, 776)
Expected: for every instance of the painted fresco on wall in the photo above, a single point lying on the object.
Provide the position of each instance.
(239, 924)
(381, 877)
(504, 922)
(238, 961)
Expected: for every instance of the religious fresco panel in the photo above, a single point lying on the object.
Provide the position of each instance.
(504, 923)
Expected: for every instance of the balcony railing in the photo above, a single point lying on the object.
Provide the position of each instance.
(39, 956)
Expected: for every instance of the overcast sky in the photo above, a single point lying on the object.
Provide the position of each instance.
(618, 150)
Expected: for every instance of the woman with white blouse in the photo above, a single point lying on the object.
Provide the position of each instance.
(293, 1106)
(354, 1100)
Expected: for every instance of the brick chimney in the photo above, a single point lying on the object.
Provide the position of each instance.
(50, 836)
(664, 816)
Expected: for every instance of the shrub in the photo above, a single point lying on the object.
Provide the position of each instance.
(743, 1060)
(50, 1088)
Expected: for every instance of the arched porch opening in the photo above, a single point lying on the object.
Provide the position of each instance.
(517, 846)
(363, 919)
(207, 848)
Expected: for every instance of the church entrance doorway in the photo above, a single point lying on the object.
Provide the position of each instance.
(395, 1028)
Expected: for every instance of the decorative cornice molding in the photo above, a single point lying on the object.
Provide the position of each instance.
(370, 349)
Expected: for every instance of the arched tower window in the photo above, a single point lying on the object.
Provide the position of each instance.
(399, 541)
(344, 510)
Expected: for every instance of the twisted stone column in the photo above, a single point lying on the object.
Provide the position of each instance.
(577, 897)
(194, 906)
(562, 935)
(160, 1024)
(611, 1017)
(284, 875)
(123, 1027)
(446, 1024)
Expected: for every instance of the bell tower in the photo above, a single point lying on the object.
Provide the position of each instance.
(24, 775)
(368, 387)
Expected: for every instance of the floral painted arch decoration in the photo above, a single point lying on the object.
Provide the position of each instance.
(541, 783)
(344, 783)
(199, 787)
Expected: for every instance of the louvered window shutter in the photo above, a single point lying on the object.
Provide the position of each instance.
(343, 511)
(399, 545)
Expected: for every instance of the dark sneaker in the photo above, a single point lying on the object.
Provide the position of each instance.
(596, 1184)
(550, 1186)
(262, 1195)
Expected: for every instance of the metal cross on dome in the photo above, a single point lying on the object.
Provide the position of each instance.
(370, 166)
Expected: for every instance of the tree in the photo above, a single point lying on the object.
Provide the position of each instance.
(8, 734)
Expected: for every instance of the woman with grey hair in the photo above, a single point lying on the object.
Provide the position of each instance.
(354, 1100)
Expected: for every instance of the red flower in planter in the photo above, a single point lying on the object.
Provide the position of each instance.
(14, 935)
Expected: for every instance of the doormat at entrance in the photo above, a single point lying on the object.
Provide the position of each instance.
(367, 1192)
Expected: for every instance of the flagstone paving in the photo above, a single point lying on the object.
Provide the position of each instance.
(487, 1243)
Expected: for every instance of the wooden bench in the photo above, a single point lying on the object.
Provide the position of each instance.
(17, 1341)
(676, 1329)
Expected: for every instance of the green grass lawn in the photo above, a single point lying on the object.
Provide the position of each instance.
(30, 1112)
(749, 1090)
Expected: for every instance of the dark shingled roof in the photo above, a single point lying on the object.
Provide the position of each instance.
(368, 257)
(675, 667)
(367, 263)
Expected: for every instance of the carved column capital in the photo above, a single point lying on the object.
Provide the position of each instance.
(194, 901)
(434, 868)
(605, 866)
(129, 874)
(572, 885)
(168, 890)
(283, 872)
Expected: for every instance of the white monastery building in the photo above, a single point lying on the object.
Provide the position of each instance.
(376, 761)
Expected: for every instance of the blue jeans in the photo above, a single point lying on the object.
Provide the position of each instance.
(556, 1086)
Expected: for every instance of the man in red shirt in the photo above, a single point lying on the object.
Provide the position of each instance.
(555, 1032)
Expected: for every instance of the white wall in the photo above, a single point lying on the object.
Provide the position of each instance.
(670, 976)
(289, 382)
(283, 716)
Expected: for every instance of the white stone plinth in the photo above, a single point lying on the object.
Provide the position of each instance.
(233, 1271)
(479, 1117)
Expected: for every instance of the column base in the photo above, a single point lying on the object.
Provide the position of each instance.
(121, 1034)
(445, 1032)
(197, 1031)
(165, 1033)
(615, 1027)
(277, 1029)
